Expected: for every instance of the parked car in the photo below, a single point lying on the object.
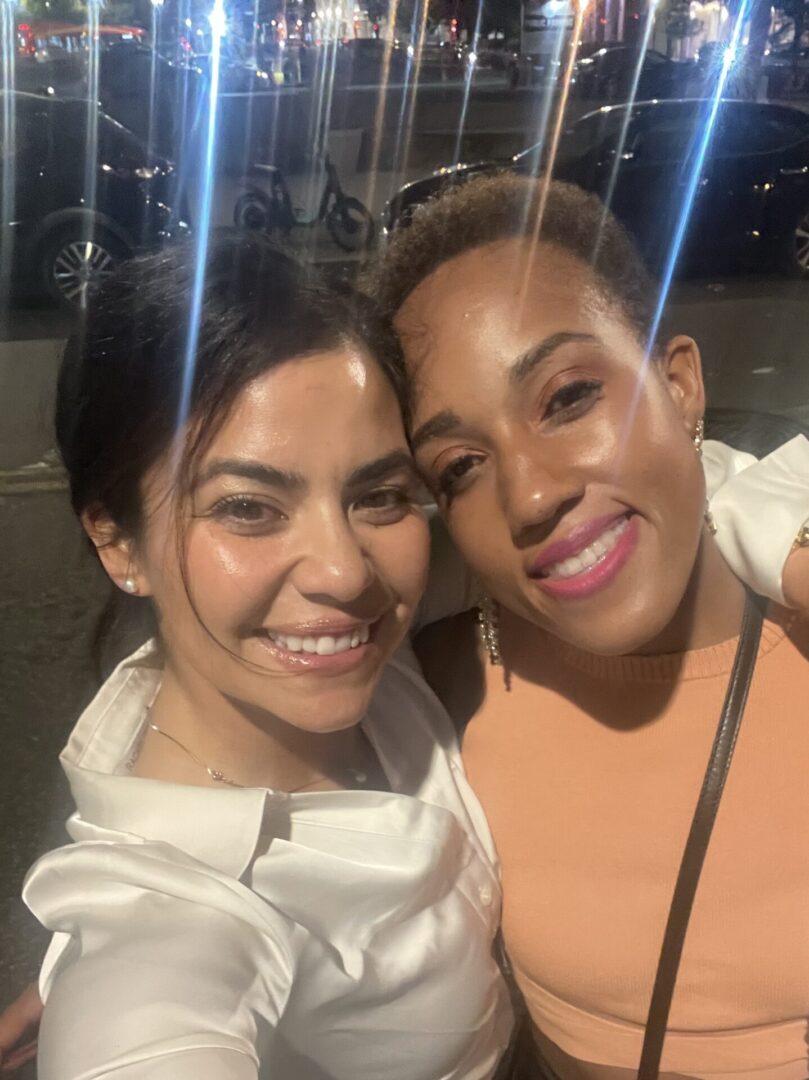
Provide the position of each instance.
(607, 72)
(361, 62)
(56, 54)
(752, 194)
(46, 40)
(65, 238)
(787, 72)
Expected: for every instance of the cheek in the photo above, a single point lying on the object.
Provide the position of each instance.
(230, 577)
(401, 554)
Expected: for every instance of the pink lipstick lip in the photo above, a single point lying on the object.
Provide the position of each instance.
(597, 577)
(576, 540)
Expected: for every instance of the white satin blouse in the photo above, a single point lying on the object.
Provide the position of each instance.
(229, 934)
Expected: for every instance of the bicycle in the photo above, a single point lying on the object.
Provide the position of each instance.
(349, 222)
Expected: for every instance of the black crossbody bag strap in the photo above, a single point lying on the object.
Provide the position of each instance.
(698, 838)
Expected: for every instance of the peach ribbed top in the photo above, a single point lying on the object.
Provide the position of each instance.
(589, 777)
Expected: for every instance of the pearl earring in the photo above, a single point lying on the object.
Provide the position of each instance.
(131, 586)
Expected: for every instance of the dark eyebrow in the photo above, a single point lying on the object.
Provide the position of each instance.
(440, 424)
(531, 358)
(251, 470)
(382, 467)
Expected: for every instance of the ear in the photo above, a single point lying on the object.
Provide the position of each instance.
(115, 551)
(681, 368)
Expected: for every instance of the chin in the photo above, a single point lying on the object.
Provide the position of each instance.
(330, 713)
(621, 635)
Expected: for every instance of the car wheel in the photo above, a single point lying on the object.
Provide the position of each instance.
(72, 264)
(800, 245)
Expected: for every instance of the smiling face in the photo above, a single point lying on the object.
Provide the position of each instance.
(563, 462)
(292, 574)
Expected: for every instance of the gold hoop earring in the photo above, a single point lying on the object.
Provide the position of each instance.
(489, 624)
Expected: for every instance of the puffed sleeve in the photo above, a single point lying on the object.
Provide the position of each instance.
(758, 507)
(159, 967)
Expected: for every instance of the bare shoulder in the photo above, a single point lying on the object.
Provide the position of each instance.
(451, 658)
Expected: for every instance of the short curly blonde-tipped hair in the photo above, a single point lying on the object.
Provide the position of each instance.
(501, 206)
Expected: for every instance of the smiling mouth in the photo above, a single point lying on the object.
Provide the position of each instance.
(590, 555)
(589, 561)
(321, 644)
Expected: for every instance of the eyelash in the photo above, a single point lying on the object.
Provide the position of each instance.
(395, 500)
(224, 511)
(572, 398)
(569, 402)
(398, 501)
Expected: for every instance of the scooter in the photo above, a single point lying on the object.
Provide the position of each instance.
(349, 222)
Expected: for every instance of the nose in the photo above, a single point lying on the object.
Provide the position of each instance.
(334, 566)
(534, 494)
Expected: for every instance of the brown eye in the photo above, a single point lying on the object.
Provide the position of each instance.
(385, 506)
(452, 478)
(573, 399)
(245, 513)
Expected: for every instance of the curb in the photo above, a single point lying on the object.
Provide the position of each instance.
(44, 476)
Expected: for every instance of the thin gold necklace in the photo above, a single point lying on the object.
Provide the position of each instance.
(359, 777)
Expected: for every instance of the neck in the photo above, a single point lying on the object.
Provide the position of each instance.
(711, 609)
(251, 747)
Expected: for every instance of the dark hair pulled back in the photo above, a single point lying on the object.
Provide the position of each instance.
(123, 378)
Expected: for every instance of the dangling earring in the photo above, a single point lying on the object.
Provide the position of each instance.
(131, 586)
(489, 623)
(699, 438)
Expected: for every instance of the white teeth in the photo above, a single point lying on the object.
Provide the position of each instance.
(325, 645)
(589, 557)
(592, 554)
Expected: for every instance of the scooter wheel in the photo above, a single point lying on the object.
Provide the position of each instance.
(351, 225)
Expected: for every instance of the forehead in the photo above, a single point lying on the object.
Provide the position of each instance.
(485, 307)
(504, 291)
(311, 408)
